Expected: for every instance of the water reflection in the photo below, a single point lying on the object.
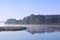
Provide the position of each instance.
(38, 28)
(43, 28)
(26, 34)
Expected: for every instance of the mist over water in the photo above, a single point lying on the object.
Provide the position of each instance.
(33, 32)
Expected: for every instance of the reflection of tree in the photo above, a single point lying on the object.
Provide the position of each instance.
(43, 28)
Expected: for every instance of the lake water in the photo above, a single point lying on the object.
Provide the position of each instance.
(33, 32)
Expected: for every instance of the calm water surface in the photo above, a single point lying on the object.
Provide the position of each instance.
(23, 35)
(32, 33)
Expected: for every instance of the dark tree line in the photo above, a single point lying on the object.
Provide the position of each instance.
(36, 19)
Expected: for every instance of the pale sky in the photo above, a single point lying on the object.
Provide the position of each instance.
(20, 8)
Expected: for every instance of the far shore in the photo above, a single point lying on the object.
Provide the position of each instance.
(31, 24)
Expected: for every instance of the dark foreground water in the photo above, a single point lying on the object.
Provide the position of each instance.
(33, 32)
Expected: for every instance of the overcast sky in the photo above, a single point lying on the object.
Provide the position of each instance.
(20, 8)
